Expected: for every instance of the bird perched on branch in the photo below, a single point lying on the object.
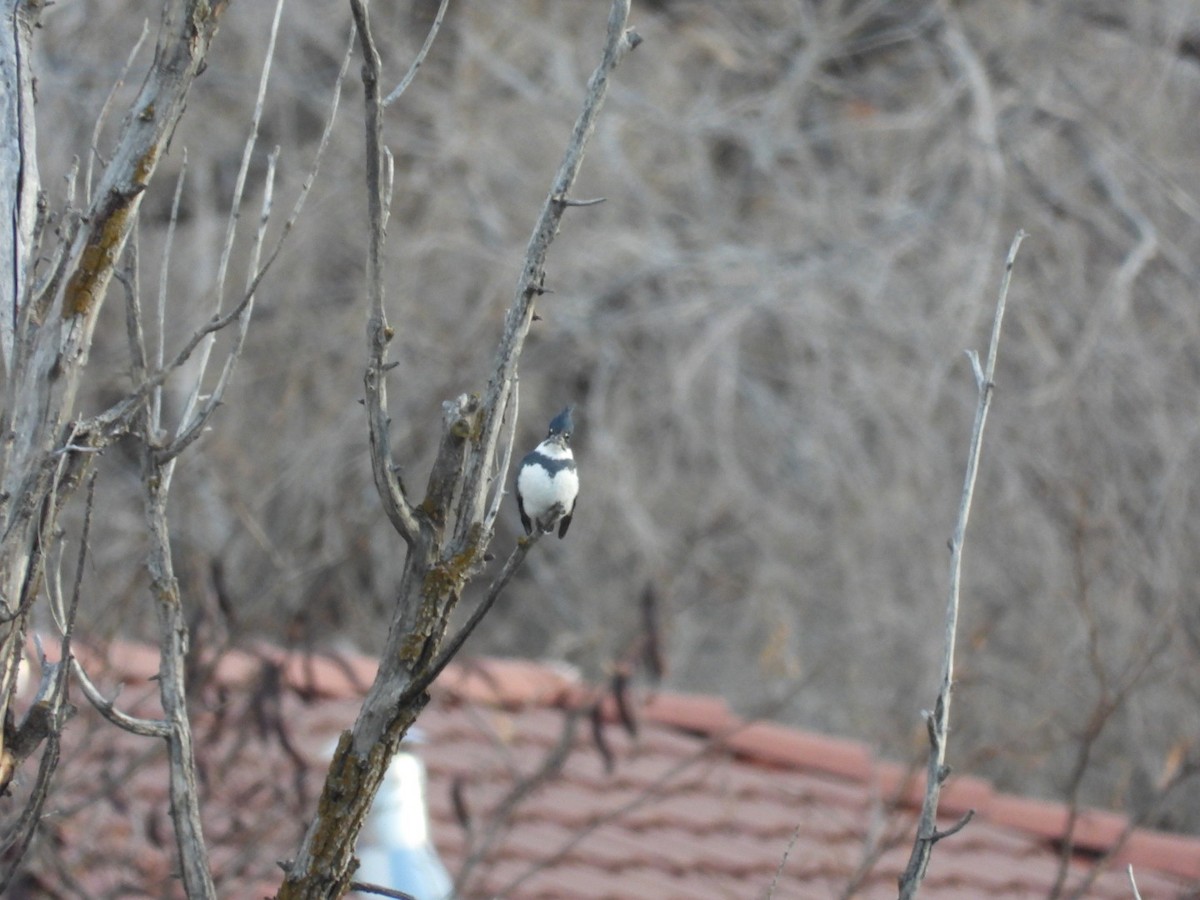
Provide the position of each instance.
(547, 484)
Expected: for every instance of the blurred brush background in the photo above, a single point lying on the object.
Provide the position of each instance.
(808, 207)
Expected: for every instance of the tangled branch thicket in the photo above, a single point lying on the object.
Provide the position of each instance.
(763, 327)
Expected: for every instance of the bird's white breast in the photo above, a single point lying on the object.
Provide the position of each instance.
(540, 491)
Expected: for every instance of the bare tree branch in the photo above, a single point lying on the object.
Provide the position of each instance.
(938, 721)
(186, 422)
(158, 466)
(106, 108)
(49, 713)
(190, 430)
(160, 304)
(366, 887)
(399, 90)
(107, 708)
(396, 505)
(1133, 883)
(783, 863)
(117, 416)
(19, 183)
(47, 287)
(447, 535)
(531, 282)
(173, 635)
(55, 346)
(501, 477)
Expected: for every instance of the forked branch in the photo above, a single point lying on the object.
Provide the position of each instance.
(449, 532)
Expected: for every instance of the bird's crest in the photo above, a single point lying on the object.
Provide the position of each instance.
(562, 423)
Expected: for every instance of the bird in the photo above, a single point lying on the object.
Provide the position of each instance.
(547, 483)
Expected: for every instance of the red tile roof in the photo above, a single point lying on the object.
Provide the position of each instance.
(696, 804)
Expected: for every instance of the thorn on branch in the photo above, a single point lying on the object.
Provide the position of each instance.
(387, 367)
(564, 201)
(538, 288)
(633, 39)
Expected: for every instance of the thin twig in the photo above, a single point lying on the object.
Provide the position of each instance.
(956, 827)
(160, 319)
(396, 505)
(783, 862)
(1133, 883)
(130, 278)
(366, 887)
(106, 107)
(42, 292)
(200, 421)
(420, 59)
(938, 721)
(124, 408)
(568, 201)
(145, 727)
(185, 420)
(502, 472)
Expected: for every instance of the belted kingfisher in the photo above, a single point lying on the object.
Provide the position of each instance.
(547, 484)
